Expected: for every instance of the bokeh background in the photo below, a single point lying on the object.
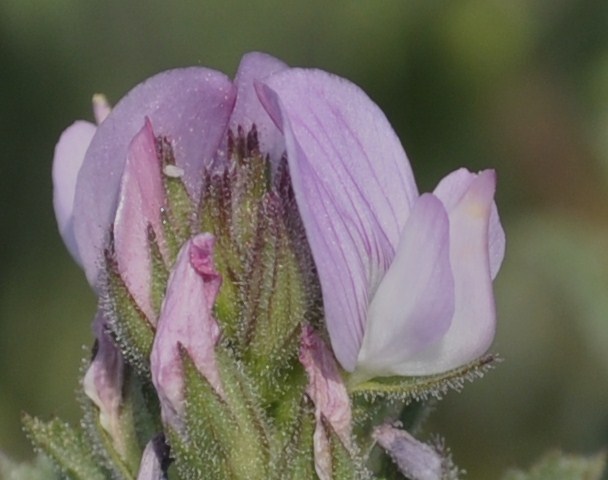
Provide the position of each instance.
(518, 85)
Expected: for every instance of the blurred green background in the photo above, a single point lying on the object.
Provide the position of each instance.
(518, 85)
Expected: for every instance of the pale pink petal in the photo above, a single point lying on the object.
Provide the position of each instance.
(416, 460)
(69, 155)
(353, 185)
(474, 323)
(451, 189)
(186, 319)
(154, 460)
(414, 304)
(190, 106)
(140, 201)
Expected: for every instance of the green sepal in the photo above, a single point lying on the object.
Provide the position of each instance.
(132, 331)
(423, 387)
(41, 468)
(191, 462)
(560, 466)
(297, 457)
(274, 296)
(216, 218)
(66, 448)
(230, 427)
(249, 186)
(159, 272)
(178, 212)
(345, 465)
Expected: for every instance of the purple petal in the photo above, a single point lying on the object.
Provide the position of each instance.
(474, 323)
(416, 460)
(186, 319)
(451, 189)
(328, 393)
(191, 106)
(354, 189)
(69, 155)
(414, 303)
(248, 110)
(103, 382)
(140, 201)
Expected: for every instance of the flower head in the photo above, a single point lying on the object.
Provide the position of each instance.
(229, 227)
(406, 278)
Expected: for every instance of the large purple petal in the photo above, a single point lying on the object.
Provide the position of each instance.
(354, 189)
(140, 201)
(191, 106)
(414, 303)
(186, 319)
(248, 110)
(474, 323)
(69, 155)
(451, 189)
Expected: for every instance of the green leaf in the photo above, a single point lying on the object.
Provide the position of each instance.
(560, 466)
(65, 446)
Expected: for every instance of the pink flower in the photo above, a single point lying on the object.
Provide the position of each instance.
(406, 278)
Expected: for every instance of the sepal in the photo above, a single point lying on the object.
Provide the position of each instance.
(133, 332)
(422, 388)
(229, 428)
(275, 303)
(65, 447)
(178, 213)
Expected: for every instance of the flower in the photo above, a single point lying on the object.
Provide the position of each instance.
(406, 279)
